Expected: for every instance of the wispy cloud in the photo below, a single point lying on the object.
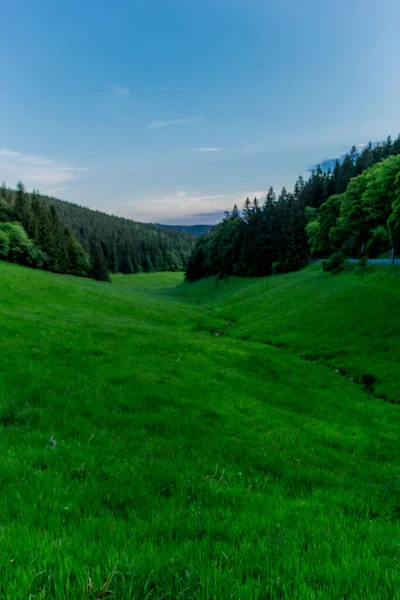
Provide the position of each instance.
(185, 121)
(119, 89)
(37, 171)
(206, 149)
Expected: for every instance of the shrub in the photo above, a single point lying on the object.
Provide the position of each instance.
(16, 246)
(4, 244)
(335, 263)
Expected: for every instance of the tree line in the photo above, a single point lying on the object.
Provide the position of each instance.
(32, 234)
(362, 221)
(279, 234)
(62, 237)
(127, 246)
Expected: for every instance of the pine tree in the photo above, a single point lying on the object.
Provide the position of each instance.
(148, 265)
(46, 237)
(21, 204)
(247, 209)
(77, 260)
(98, 266)
(3, 191)
(296, 250)
(113, 261)
(126, 265)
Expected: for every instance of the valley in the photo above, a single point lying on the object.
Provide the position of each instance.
(147, 457)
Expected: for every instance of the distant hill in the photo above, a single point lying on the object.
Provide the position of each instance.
(128, 246)
(191, 229)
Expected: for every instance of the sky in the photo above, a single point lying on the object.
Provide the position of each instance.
(171, 111)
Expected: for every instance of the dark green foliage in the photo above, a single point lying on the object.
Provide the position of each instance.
(32, 234)
(363, 263)
(318, 231)
(128, 247)
(364, 219)
(77, 260)
(262, 240)
(197, 262)
(7, 212)
(17, 247)
(21, 204)
(327, 209)
(68, 234)
(335, 263)
(321, 185)
(98, 265)
(191, 229)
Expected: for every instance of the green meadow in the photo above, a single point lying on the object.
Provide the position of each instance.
(232, 439)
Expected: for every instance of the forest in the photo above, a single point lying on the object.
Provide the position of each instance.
(128, 246)
(192, 229)
(62, 237)
(352, 210)
(32, 234)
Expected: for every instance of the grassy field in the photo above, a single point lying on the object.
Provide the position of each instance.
(143, 454)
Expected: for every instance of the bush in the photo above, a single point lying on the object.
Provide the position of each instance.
(6, 211)
(335, 263)
(16, 246)
(379, 243)
(4, 244)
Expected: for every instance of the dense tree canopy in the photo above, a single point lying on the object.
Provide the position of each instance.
(16, 246)
(128, 246)
(31, 233)
(363, 220)
(66, 238)
(256, 242)
(354, 207)
(323, 184)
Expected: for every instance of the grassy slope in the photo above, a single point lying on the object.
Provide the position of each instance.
(201, 466)
(351, 322)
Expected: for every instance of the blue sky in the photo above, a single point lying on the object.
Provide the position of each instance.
(172, 110)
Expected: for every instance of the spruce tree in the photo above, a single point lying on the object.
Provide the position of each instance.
(235, 212)
(126, 265)
(113, 262)
(21, 204)
(247, 209)
(98, 266)
(3, 191)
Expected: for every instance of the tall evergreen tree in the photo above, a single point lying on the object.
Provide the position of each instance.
(98, 266)
(21, 204)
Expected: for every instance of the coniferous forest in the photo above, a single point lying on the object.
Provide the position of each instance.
(62, 237)
(352, 210)
(128, 246)
(32, 234)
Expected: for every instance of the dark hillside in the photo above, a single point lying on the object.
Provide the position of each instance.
(128, 246)
(191, 229)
